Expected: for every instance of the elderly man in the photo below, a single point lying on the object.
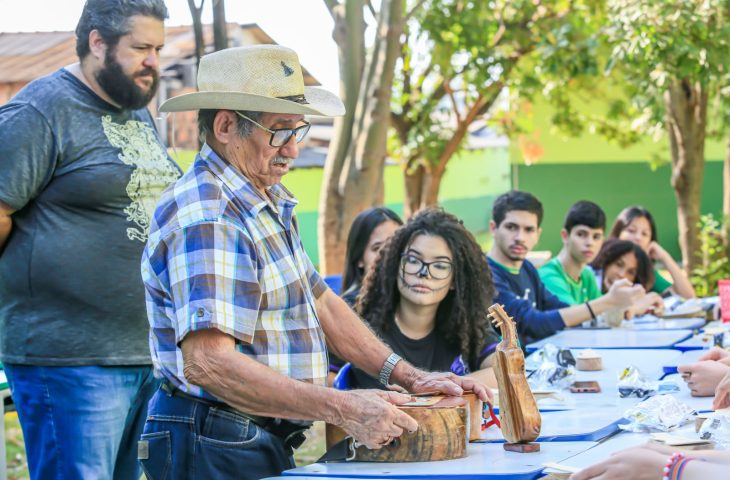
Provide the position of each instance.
(81, 170)
(239, 315)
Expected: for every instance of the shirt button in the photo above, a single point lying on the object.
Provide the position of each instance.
(200, 312)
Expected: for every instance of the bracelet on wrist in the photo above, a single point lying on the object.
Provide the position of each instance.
(674, 466)
(388, 368)
(590, 310)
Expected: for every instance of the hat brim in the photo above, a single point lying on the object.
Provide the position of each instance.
(320, 103)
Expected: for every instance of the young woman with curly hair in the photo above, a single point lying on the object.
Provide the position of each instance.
(428, 295)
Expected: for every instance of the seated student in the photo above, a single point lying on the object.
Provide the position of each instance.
(515, 227)
(648, 461)
(428, 295)
(369, 231)
(567, 276)
(622, 259)
(636, 224)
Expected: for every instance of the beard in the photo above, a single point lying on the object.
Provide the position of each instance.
(121, 87)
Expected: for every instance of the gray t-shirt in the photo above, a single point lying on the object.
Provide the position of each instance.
(84, 177)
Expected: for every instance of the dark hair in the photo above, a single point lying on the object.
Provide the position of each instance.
(111, 19)
(461, 317)
(614, 249)
(206, 118)
(585, 213)
(627, 216)
(357, 240)
(516, 200)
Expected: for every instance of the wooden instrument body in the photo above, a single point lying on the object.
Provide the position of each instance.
(518, 412)
(441, 435)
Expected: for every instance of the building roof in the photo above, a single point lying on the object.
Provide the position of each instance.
(25, 56)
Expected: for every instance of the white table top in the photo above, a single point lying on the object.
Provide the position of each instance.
(582, 425)
(697, 342)
(650, 322)
(613, 338)
(649, 362)
(483, 460)
(700, 404)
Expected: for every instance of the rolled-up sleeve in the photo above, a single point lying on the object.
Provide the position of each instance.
(213, 278)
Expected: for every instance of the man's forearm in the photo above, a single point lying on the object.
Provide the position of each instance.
(254, 388)
(577, 314)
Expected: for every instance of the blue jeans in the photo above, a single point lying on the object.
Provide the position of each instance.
(187, 439)
(81, 422)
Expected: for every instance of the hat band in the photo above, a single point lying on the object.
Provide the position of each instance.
(296, 99)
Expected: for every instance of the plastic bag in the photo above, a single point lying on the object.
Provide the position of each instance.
(717, 429)
(550, 367)
(632, 383)
(659, 413)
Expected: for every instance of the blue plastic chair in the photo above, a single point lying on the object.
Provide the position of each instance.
(334, 282)
(343, 379)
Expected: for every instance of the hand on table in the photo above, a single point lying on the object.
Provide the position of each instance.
(635, 463)
(447, 383)
(371, 418)
(703, 377)
(652, 303)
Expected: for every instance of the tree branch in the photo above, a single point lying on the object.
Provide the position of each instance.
(454, 105)
(331, 6)
(415, 8)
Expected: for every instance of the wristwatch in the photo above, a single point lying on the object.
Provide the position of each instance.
(388, 367)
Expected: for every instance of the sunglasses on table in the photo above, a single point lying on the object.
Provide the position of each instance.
(281, 136)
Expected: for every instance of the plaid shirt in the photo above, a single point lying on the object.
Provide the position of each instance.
(219, 255)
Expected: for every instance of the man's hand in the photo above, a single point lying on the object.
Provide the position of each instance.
(371, 418)
(635, 463)
(722, 393)
(447, 383)
(703, 377)
(623, 295)
(716, 353)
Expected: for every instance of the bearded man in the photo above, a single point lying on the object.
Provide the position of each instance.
(81, 169)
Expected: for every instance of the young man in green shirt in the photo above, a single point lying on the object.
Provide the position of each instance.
(567, 275)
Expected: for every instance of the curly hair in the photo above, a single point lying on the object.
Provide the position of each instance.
(613, 249)
(461, 317)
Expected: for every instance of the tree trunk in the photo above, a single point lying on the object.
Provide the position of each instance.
(354, 165)
(422, 189)
(196, 13)
(220, 29)
(686, 106)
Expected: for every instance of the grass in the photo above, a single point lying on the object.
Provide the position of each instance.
(17, 464)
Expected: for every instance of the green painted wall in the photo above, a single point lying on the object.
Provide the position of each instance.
(613, 186)
(471, 183)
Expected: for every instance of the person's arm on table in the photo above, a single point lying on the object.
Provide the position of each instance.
(621, 295)
(352, 340)
(680, 283)
(647, 463)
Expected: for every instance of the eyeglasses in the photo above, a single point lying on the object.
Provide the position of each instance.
(281, 136)
(438, 270)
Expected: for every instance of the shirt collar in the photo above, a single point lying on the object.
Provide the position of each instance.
(244, 190)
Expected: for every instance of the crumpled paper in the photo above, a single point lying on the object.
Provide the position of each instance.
(659, 413)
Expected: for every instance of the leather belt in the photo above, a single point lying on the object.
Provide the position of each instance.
(291, 432)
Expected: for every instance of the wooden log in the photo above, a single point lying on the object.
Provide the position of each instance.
(441, 434)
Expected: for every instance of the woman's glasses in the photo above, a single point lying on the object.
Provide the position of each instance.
(438, 270)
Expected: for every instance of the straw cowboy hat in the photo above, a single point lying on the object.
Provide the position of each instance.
(261, 78)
